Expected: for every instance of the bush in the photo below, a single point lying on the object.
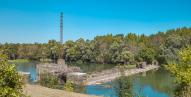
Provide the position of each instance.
(49, 80)
(68, 86)
(52, 81)
(10, 81)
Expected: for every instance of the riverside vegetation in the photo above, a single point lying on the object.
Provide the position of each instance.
(111, 49)
(170, 47)
(182, 72)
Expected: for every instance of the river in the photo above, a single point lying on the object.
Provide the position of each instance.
(154, 83)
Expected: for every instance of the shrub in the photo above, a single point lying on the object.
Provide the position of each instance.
(68, 86)
(49, 80)
(10, 81)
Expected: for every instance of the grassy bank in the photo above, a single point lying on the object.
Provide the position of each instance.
(19, 61)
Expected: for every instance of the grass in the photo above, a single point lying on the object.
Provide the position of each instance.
(130, 66)
(19, 61)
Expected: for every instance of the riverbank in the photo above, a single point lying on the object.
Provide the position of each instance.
(39, 91)
(19, 61)
(110, 75)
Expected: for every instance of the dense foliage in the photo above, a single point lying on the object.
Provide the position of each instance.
(10, 81)
(110, 49)
(182, 69)
(182, 72)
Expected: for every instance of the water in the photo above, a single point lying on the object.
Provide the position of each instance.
(27, 67)
(31, 67)
(150, 84)
(154, 83)
(99, 91)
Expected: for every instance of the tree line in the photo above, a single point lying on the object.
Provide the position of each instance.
(111, 49)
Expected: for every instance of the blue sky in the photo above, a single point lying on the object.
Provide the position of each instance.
(29, 21)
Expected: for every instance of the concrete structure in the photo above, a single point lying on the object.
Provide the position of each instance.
(77, 78)
(50, 68)
(113, 74)
(61, 70)
(25, 76)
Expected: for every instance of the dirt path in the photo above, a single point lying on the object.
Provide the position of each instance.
(39, 91)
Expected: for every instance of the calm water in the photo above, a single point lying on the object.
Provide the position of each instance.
(155, 83)
(150, 84)
(31, 67)
(27, 67)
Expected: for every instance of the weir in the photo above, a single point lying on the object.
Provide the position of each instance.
(110, 75)
(25, 76)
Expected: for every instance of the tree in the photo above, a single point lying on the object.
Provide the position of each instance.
(182, 69)
(10, 81)
(182, 72)
(71, 54)
(125, 57)
(110, 49)
(54, 49)
(114, 52)
(147, 54)
(10, 50)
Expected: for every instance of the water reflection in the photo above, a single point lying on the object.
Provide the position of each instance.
(123, 87)
(100, 90)
(155, 83)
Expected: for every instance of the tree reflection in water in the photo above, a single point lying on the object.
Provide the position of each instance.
(159, 80)
(123, 87)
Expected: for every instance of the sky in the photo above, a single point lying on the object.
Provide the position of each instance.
(29, 21)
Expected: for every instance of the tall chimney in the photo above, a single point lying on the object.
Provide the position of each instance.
(61, 27)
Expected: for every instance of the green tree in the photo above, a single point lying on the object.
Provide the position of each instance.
(114, 52)
(125, 57)
(71, 54)
(55, 50)
(147, 54)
